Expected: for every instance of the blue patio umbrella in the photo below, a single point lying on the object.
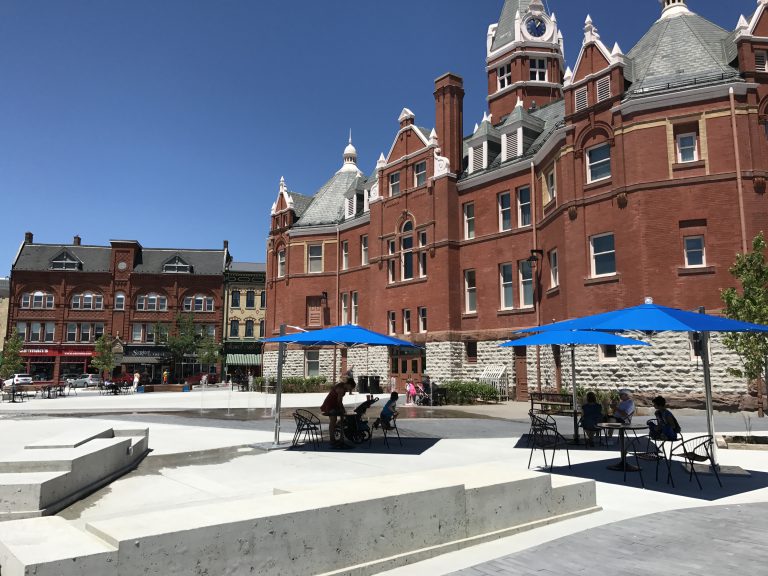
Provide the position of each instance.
(573, 338)
(650, 317)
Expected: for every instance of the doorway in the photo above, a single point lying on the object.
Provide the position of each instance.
(405, 363)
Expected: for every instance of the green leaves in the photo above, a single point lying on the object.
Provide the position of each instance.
(12, 362)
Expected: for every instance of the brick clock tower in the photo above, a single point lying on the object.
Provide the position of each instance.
(524, 59)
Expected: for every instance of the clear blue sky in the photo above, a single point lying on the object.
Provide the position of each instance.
(171, 121)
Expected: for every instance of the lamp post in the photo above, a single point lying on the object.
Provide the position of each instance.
(281, 352)
(535, 291)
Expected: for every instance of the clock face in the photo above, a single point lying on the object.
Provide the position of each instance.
(536, 26)
(122, 265)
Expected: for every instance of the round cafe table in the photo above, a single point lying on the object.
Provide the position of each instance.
(622, 465)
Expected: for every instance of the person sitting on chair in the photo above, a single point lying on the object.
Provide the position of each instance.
(388, 412)
(622, 413)
(333, 407)
(665, 427)
(591, 415)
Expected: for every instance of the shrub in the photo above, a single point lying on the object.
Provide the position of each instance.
(292, 384)
(467, 392)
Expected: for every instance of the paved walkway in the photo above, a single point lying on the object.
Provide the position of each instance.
(717, 540)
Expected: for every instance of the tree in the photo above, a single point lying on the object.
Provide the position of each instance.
(12, 362)
(208, 351)
(104, 354)
(181, 339)
(751, 305)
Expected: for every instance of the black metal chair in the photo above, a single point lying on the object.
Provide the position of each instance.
(308, 428)
(392, 426)
(595, 431)
(646, 449)
(544, 436)
(697, 450)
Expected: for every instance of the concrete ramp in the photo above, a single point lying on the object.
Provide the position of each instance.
(49, 475)
(324, 529)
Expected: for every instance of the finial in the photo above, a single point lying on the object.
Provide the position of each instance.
(350, 135)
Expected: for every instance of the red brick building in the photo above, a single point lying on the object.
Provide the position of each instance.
(581, 190)
(64, 296)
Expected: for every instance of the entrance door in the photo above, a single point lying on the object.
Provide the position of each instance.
(405, 363)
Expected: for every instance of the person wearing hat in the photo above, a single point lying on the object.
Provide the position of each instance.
(622, 413)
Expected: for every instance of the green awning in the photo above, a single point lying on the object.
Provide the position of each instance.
(243, 360)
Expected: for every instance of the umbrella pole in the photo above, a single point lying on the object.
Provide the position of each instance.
(573, 391)
(279, 386)
(708, 394)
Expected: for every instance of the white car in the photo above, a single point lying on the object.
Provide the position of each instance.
(17, 379)
(85, 380)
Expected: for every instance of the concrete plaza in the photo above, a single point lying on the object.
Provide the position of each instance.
(214, 446)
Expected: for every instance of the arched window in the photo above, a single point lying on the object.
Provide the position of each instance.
(37, 300)
(198, 303)
(406, 251)
(87, 301)
(152, 302)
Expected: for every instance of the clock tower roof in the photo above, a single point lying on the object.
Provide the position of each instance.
(505, 33)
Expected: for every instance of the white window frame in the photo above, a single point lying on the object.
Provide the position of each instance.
(506, 286)
(394, 184)
(505, 212)
(594, 255)
(50, 332)
(591, 165)
(680, 147)
(311, 363)
(687, 252)
(551, 182)
(314, 259)
(364, 250)
(406, 321)
(538, 69)
(470, 292)
(137, 333)
(524, 205)
(354, 318)
(345, 255)
(422, 254)
(604, 357)
(344, 309)
(392, 322)
(504, 76)
(469, 220)
(281, 263)
(422, 311)
(392, 262)
(406, 252)
(120, 301)
(525, 285)
(554, 271)
(71, 332)
(420, 174)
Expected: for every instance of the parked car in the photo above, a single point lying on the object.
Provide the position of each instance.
(86, 380)
(17, 379)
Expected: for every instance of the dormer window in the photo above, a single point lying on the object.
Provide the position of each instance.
(538, 67)
(177, 266)
(65, 261)
(505, 76)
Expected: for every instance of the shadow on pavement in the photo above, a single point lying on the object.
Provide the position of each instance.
(410, 447)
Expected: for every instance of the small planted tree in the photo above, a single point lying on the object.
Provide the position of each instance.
(12, 362)
(749, 305)
(104, 354)
(181, 339)
(208, 351)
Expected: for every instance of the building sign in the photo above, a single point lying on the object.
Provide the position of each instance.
(242, 347)
(37, 352)
(56, 352)
(145, 352)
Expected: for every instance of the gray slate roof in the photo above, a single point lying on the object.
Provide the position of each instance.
(248, 267)
(327, 205)
(678, 49)
(5, 287)
(505, 33)
(300, 203)
(97, 258)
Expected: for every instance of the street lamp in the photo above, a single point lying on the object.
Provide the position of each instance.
(281, 352)
(534, 258)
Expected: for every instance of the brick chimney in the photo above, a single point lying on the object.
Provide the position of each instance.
(76, 241)
(28, 238)
(226, 244)
(449, 118)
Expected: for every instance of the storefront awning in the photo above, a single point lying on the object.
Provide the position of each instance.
(243, 360)
(141, 360)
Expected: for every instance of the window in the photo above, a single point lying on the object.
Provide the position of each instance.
(599, 162)
(603, 255)
(606, 353)
(261, 329)
(406, 321)
(315, 258)
(761, 61)
(149, 333)
(469, 220)
(687, 150)
(98, 330)
(249, 328)
(344, 308)
(422, 319)
(604, 88)
(234, 328)
(250, 299)
(538, 67)
(26, 300)
(136, 333)
(65, 262)
(470, 292)
(506, 280)
(420, 173)
(176, 266)
(235, 298)
(394, 184)
(391, 262)
(554, 273)
(119, 301)
(523, 207)
(470, 348)
(85, 332)
(281, 263)
(153, 302)
(37, 300)
(551, 186)
(312, 363)
(526, 284)
(263, 299)
(355, 316)
(344, 255)
(694, 251)
(50, 331)
(364, 250)
(71, 332)
(34, 332)
(423, 254)
(505, 212)
(406, 251)
(505, 75)
(391, 322)
(21, 331)
(581, 99)
(198, 303)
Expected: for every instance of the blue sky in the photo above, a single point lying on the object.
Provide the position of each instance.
(172, 121)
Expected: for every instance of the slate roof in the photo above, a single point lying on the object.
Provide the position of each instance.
(327, 206)
(248, 267)
(679, 49)
(5, 287)
(505, 33)
(97, 258)
(300, 203)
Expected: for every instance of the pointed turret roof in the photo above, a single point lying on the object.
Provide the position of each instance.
(505, 33)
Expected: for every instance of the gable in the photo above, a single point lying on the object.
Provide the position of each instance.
(591, 60)
(760, 26)
(407, 141)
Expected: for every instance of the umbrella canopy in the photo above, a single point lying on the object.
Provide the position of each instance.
(651, 318)
(347, 335)
(565, 337)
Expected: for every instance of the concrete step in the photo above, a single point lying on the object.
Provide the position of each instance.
(70, 439)
(20, 493)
